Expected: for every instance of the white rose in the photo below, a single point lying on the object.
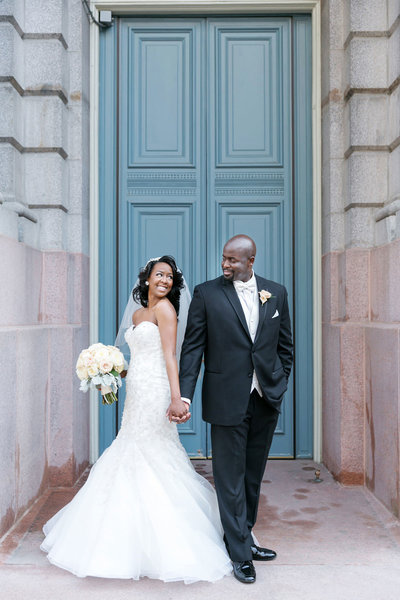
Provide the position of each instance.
(82, 372)
(101, 355)
(95, 347)
(117, 358)
(106, 366)
(87, 358)
(119, 368)
(93, 370)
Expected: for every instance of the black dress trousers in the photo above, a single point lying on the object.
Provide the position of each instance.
(240, 455)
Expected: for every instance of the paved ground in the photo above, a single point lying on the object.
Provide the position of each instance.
(333, 543)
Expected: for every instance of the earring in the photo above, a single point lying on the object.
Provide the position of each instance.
(146, 282)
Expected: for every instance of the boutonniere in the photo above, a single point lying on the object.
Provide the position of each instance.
(264, 296)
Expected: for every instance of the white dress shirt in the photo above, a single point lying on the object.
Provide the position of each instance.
(248, 295)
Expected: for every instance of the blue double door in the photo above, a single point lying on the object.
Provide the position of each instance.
(205, 147)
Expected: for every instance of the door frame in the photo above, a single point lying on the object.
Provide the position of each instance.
(210, 7)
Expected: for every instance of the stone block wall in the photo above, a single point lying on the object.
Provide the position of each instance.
(361, 243)
(44, 233)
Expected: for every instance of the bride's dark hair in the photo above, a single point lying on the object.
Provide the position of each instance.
(141, 292)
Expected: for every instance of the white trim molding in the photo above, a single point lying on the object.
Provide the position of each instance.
(182, 7)
(317, 227)
(132, 7)
(94, 228)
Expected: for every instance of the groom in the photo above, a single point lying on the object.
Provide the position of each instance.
(240, 323)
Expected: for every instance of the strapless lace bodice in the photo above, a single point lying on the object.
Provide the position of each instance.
(147, 356)
(145, 343)
(147, 386)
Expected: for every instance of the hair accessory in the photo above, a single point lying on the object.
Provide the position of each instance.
(155, 259)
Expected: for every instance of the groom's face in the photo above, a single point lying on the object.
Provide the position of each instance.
(236, 264)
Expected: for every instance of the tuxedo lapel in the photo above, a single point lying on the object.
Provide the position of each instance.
(233, 298)
(263, 308)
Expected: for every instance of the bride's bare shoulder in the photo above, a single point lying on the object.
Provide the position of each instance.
(165, 310)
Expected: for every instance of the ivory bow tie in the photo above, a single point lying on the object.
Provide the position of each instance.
(242, 286)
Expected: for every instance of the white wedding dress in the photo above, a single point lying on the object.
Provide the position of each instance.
(144, 511)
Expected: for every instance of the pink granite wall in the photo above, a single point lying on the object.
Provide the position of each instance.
(44, 305)
(361, 243)
(361, 369)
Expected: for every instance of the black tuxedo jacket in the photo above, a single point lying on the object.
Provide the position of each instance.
(217, 329)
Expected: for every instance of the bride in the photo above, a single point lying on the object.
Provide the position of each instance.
(144, 511)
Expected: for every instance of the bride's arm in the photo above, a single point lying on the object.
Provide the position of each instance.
(167, 325)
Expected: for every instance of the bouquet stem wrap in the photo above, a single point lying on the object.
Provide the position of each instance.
(108, 395)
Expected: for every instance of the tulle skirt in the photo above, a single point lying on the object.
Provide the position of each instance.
(144, 511)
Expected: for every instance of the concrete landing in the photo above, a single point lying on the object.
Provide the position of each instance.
(333, 543)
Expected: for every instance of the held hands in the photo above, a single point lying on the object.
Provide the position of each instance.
(178, 411)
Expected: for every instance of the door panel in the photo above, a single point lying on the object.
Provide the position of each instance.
(162, 166)
(249, 155)
(162, 131)
(247, 95)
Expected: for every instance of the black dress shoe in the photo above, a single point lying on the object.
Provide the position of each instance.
(244, 571)
(262, 553)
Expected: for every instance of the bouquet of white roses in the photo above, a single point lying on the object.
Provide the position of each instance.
(99, 367)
